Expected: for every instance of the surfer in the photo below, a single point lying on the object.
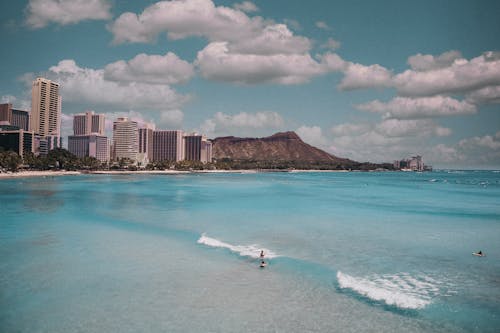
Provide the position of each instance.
(480, 253)
(262, 264)
(262, 253)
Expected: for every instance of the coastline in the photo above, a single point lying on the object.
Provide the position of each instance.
(50, 173)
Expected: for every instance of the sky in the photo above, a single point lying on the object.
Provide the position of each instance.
(367, 80)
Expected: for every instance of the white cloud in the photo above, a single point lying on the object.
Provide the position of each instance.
(312, 135)
(487, 95)
(357, 76)
(246, 6)
(410, 127)
(242, 123)
(154, 69)
(88, 86)
(322, 25)
(331, 44)
(17, 103)
(42, 12)
(171, 119)
(460, 77)
(216, 62)
(185, 18)
(424, 107)
(425, 62)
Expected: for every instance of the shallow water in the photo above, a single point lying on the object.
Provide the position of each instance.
(346, 252)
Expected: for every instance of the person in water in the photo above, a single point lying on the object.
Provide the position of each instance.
(480, 253)
(262, 253)
(262, 263)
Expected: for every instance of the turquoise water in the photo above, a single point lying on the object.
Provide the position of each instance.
(346, 252)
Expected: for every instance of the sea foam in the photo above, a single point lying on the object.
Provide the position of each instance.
(400, 290)
(252, 251)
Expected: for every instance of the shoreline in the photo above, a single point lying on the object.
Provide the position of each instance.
(50, 173)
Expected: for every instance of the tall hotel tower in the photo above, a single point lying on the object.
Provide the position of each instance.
(46, 111)
(125, 139)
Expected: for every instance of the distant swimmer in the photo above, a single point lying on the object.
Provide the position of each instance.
(263, 264)
(262, 253)
(479, 253)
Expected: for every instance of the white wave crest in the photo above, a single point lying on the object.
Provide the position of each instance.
(401, 290)
(252, 251)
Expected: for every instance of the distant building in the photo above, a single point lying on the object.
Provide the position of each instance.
(146, 144)
(89, 146)
(19, 141)
(197, 148)
(168, 145)
(415, 163)
(46, 111)
(125, 139)
(14, 117)
(88, 123)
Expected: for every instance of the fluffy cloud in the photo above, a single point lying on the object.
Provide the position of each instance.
(89, 86)
(185, 18)
(154, 69)
(241, 123)
(216, 62)
(357, 76)
(459, 77)
(41, 12)
(424, 107)
(312, 135)
(487, 95)
(385, 141)
(425, 62)
(246, 6)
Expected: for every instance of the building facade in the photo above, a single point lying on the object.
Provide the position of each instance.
(88, 123)
(20, 141)
(168, 146)
(89, 146)
(125, 139)
(146, 144)
(46, 109)
(197, 148)
(14, 117)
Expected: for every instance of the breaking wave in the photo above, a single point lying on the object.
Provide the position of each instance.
(252, 251)
(400, 290)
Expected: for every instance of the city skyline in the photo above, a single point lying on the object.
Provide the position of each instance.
(365, 81)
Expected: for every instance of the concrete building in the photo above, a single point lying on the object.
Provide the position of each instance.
(145, 144)
(46, 110)
(125, 139)
(168, 146)
(415, 163)
(20, 141)
(89, 123)
(89, 146)
(197, 148)
(14, 117)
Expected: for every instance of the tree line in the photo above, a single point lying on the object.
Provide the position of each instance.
(62, 159)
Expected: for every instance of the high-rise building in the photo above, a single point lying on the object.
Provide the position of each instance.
(46, 109)
(168, 146)
(146, 144)
(89, 146)
(125, 139)
(88, 123)
(197, 148)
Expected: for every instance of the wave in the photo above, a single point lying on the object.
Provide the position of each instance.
(400, 290)
(252, 251)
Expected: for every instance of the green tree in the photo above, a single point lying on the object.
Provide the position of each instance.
(10, 160)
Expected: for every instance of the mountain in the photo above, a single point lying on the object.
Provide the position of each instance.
(280, 147)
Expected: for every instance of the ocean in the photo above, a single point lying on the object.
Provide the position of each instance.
(346, 252)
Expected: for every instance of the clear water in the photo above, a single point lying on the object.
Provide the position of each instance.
(347, 252)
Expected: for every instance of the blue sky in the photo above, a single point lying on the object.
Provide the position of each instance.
(368, 80)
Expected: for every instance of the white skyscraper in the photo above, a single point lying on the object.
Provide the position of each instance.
(125, 139)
